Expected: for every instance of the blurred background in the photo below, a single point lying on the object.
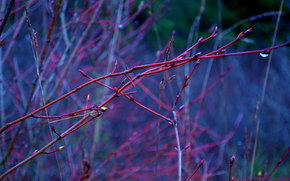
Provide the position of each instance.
(128, 142)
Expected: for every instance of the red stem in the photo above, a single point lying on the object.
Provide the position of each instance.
(231, 165)
(279, 162)
(201, 163)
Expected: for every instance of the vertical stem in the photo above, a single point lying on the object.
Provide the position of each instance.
(230, 173)
(178, 148)
(179, 153)
(264, 87)
(193, 37)
(231, 166)
(2, 108)
(111, 57)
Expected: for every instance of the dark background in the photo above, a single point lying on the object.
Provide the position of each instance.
(236, 95)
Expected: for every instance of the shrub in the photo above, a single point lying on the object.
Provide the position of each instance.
(89, 102)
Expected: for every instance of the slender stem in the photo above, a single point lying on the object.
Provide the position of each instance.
(178, 147)
(163, 67)
(29, 158)
(201, 163)
(231, 166)
(64, 134)
(279, 162)
(6, 16)
(264, 88)
(153, 68)
(80, 41)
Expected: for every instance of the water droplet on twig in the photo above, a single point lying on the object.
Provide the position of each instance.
(265, 54)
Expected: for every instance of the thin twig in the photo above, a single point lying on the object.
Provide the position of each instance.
(279, 162)
(6, 16)
(64, 134)
(231, 166)
(162, 66)
(264, 88)
(200, 164)
(179, 151)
